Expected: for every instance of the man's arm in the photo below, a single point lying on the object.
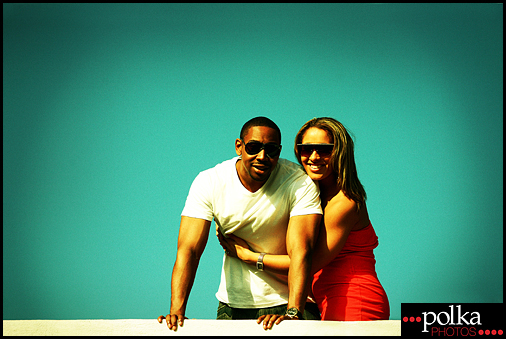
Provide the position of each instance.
(192, 240)
(301, 238)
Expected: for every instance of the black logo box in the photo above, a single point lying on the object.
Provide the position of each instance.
(491, 316)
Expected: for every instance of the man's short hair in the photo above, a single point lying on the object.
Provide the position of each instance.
(259, 121)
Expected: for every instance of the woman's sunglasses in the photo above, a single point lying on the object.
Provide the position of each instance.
(254, 147)
(323, 150)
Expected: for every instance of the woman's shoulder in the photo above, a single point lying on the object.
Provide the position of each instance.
(340, 206)
(341, 202)
(343, 210)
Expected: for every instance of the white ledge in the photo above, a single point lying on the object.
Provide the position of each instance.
(194, 327)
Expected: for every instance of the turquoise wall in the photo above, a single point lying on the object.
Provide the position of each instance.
(111, 110)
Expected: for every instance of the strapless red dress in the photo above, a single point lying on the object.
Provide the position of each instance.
(348, 289)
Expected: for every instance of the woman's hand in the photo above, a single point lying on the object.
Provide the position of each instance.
(236, 247)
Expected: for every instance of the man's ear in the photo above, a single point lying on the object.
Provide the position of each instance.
(238, 146)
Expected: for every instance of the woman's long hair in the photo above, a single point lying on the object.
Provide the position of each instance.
(342, 160)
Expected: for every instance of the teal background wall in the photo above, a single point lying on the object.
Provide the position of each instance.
(111, 110)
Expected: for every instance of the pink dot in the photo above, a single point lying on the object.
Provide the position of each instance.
(480, 332)
(494, 332)
(499, 332)
(418, 319)
(487, 332)
(405, 319)
(412, 319)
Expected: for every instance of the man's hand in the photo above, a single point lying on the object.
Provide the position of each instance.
(172, 320)
(271, 319)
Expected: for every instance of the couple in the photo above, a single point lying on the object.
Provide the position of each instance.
(268, 214)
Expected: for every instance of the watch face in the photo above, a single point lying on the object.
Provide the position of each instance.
(292, 312)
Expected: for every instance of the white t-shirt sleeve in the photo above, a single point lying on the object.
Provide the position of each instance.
(305, 198)
(199, 200)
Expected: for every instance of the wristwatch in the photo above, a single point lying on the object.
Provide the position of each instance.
(293, 313)
(260, 262)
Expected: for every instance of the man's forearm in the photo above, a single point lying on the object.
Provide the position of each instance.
(298, 277)
(300, 241)
(183, 276)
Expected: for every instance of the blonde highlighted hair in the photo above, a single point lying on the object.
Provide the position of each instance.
(342, 160)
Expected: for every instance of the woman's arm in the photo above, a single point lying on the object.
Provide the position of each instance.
(238, 248)
(340, 217)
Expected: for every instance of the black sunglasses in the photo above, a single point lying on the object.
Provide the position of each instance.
(323, 150)
(254, 147)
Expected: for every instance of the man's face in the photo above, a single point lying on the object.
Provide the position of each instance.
(255, 169)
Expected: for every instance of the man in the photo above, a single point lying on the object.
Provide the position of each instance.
(270, 203)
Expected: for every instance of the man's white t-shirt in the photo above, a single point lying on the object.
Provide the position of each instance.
(260, 218)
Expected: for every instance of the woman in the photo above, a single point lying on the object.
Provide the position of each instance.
(345, 285)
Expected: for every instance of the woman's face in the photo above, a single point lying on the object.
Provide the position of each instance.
(315, 153)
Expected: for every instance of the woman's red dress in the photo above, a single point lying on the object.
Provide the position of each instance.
(348, 288)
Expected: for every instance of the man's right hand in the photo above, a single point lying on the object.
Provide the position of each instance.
(172, 320)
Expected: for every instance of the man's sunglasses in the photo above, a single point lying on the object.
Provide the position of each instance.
(254, 147)
(323, 150)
